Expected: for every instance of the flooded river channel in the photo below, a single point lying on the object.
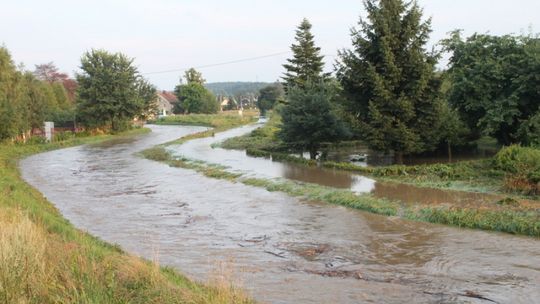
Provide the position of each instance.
(281, 249)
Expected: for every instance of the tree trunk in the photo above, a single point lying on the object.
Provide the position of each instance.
(399, 158)
(449, 146)
(313, 153)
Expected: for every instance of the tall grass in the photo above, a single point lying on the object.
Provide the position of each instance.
(23, 274)
(221, 120)
(44, 259)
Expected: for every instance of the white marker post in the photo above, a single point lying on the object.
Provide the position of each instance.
(49, 128)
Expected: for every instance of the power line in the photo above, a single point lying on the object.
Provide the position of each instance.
(219, 64)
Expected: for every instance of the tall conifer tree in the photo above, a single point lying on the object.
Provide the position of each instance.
(307, 63)
(389, 78)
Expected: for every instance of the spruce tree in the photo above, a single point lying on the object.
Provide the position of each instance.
(309, 119)
(389, 78)
(306, 64)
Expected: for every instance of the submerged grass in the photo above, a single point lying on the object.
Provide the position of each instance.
(45, 259)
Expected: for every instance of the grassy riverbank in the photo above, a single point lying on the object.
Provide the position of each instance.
(45, 259)
(216, 122)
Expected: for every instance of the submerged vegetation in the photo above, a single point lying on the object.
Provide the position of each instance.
(45, 259)
(507, 216)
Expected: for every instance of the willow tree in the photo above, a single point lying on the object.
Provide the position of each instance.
(389, 78)
(307, 63)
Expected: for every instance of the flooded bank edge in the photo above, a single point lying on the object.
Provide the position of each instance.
(507, 220)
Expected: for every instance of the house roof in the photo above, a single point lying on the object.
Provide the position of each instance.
(169, 96)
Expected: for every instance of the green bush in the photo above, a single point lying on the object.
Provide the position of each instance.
(61, 136)
(517, 159)
(36, 140)
(522, 165)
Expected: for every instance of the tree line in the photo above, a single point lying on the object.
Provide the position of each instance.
(108, 93)
(388, 91)
(28, 98)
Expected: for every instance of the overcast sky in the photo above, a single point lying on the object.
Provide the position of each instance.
(174, 34)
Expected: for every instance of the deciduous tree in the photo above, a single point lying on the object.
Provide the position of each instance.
(495, 84)
(194, 97)
(109, 90)
(194, 76)
(269, 96)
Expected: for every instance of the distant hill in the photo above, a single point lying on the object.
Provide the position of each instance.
(235, 88)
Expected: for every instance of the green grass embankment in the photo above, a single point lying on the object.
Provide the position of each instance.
(45, 259)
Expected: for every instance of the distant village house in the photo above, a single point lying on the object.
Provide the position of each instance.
(165, 103)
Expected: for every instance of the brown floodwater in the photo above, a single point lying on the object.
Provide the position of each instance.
(280, 249)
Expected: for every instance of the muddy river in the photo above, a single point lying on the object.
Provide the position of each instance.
(280, 249)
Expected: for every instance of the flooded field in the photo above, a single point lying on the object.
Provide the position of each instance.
(280, 249)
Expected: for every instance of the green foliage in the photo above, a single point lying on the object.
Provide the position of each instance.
(389, 78)
(269, 96)
(308, 118)
(517, 159)
(529, 131)
(12, 109)
(25, 101)
(510, 221)
(193, 76)
(111, 92)
(495, 84)
(61, 96)
(195, 98)
(306, 64)
(148, 94)
(522, 166)
(263, 138)
(157, 154)
(219, 122)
